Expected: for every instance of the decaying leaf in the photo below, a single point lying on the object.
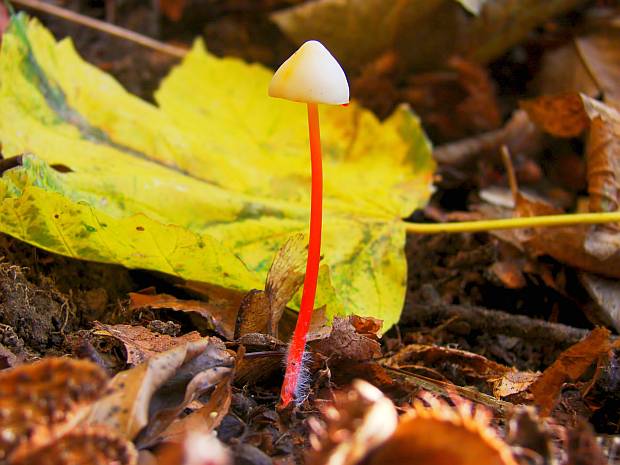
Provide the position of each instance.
(559, 115)
(438, 28)
(141, 343)
(513, 382)
(346, 342)
(90, 446)
(261, 311)
(471, 365)
(570, 365)
(208, 186)
(600, 53)
(606, 296)
(42, 401)
(220, 317)
(139, 393)
(359, 420)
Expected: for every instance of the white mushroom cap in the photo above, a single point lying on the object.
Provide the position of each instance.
(311, 75)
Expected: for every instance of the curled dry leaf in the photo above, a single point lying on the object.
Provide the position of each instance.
(42, 401)
(473, 366)
(346, 342)
(569, 366)
(600, 52)
(196, 387)
(126, 410)
(141, 343)
(91, 446)
(218, 316)
(359, 420)
(260, 311)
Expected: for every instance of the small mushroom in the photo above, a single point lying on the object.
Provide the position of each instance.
(312, 76)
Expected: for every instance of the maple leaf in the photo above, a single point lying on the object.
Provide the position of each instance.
(210, 184)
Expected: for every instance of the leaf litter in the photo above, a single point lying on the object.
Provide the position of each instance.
(449, 346)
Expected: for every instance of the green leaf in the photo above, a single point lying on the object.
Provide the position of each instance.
(211, 183)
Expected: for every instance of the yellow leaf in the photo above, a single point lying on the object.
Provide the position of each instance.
(211, 183)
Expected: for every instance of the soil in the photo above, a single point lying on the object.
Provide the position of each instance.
(48, 303)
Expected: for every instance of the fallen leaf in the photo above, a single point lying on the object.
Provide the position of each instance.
(559, 115)
(42, 401)
(606, 296)
(599, 52)
(473, 366)
(346, 343)
(164, 418)
(136, 395)
(569, 366)
(141, 343)
(220, 318)
(513, 382)
(261, 311)
(208, 186)
(438, 28)
(208, 417)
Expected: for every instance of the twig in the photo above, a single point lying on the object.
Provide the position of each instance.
(102, 26)
(495, 322)
(445, 388)
(513, 223)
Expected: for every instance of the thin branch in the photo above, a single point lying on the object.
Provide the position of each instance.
(513, 223)
(102, 26)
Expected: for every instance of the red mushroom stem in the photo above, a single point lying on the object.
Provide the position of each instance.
(297, 348)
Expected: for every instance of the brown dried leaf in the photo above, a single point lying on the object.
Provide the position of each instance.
(261, 311)
(513, 382)
(91, 446)
(126, 410)
(606, 295)
(566, 243)
(141, 343)
(219, 316)
(164, 418)
(471, 365)
(600, 53)
(205, 419)
(360, 420)
(560, 115)
(441, 434)
(346, 343)
(41, 401)
(569, 366)
(603, 156)
(438, 28)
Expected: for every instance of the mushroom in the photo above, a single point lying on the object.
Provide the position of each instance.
(312, 76)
